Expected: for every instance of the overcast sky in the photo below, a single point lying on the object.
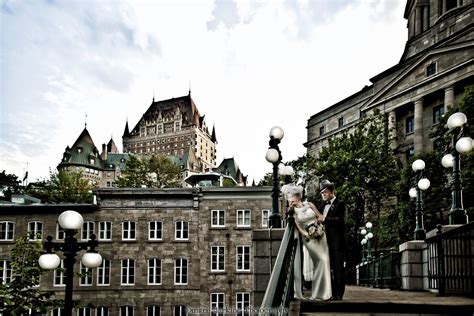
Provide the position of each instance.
(252, 64)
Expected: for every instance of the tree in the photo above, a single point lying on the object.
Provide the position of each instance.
(10, 184)
(22, 293)
(155, 172)
(62, 187)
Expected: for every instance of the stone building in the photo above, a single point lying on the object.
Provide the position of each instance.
(435, 67)
(170, 127)
(165, 251)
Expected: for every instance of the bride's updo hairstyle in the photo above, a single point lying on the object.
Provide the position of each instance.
(290, 190)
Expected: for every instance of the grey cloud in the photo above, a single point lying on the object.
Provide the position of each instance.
(225, 12)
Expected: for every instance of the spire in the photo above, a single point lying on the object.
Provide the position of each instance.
(153, 96)
(126, 132)
(85, 121)
(213, 134)
(189, 88)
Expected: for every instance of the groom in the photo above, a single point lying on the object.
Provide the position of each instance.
(333, 213)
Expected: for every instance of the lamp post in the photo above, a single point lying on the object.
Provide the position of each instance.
(363, 242)
(460, 143)
(420, 183)
(274, 157)
(71, 222)
(368, 235)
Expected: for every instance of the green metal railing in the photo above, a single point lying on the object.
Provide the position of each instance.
(280, 286)
(381, 272)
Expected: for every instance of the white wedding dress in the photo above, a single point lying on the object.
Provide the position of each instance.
(315, 259)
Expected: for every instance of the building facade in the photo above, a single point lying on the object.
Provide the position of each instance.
(436, 65)
(170, 127)
(165, 251)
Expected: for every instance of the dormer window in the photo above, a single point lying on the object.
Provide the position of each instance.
(92, 161)
(79, 149)
(431, 69)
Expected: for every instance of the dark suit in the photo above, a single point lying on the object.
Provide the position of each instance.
(334, 226)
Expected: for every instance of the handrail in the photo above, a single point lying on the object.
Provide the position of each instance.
(280, 286)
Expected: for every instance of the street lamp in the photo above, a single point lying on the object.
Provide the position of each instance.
(274, 157)
(460, 143)
(368, 235)
(71, 222)
(420, 183)
(363, 242)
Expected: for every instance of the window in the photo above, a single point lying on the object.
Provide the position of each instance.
(84, 311)
(431, 69)
(181, 271)
(242, 304)
(409, 125)
(153, 310)
(409, 153)
(60, 234)
(6, 231)
(438, 112)
(155, 230)
(57, 312)
(179, 310)
(243, 258)
(217, 304)
(218, 218)
(86, 276)
(103, 273)
(243, 218)
(181, 230)
(217, 258)
(59, 277)
(87, 230)
(126, 311)
(128, 272)
(341, 122)
(321, 131)
(154, 271)
(128, 230)
(265, 214)
(102, 311)
(5, 271)
(35, 230)
(105, 230)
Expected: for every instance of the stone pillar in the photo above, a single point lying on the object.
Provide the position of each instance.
(392, 123)
(444, 7)
(417, 20)
(426, 22)
(412, 268)
(418, 139)
(448, 98)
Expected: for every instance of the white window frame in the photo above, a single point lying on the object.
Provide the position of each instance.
(241, 218)
(217, 258)
(103, 273)
(129, 230)
(179, 310)
(153, 310)
(105, 230)
(183, 230)
(220, 216)
(126, 310)
(102, 311)
(240, 253)
(37, 230)
(5, 271)
(242, 302)
(86, 278)
(60, 233)
(59, 274)
(265, 219)
(8, 227)
(217, 302)
(178, 269)
(84, 311)
(88, 228)
(154, 269)
(57, 312)
(154, 231)
(127, 271)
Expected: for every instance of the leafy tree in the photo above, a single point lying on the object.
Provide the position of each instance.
(155, 172)
(23, 293)
(11, 185)
(62, 187)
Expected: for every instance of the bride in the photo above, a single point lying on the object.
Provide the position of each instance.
(315, 248)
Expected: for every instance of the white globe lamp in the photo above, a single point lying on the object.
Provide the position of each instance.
(91, 260)
(272, 155)
(447, 161)
(457, 119)
(70, 220)
(424, 184)
(49, 261)
(276, 132)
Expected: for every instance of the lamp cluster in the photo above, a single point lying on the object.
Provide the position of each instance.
(365, 242)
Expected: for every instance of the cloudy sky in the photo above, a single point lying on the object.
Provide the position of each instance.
(252, 64)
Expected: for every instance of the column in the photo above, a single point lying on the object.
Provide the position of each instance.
(417, 20)
(426, 23)
(392, 124)
(444, 7)
(418, 139)
(448, 98)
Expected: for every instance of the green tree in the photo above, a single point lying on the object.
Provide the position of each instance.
(9, 184)
(23, 293)
(155, 172)
(62, 187)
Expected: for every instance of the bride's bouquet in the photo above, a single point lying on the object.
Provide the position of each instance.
(315, 230)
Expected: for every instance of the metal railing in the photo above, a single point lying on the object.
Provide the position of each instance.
(280, 286)
(451, 260)
(381, 272)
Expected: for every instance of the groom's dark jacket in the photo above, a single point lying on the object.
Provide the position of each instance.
(334, 225)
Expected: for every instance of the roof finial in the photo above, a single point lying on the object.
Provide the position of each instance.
(153, 94)
(85, 122)
(190, 87)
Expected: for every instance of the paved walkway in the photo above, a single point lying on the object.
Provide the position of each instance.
(370, 301)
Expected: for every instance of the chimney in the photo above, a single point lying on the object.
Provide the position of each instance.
(103, 155)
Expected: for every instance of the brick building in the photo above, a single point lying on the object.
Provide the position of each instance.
(164, 250)
(436, 66)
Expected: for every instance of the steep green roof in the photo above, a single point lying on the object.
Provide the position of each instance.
(83, 152)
